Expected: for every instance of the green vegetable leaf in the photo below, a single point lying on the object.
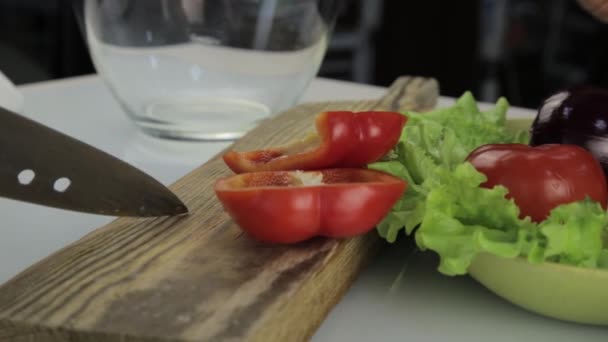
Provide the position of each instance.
(451, 215)
(462, 219)
(408, 211)
(467, 103)
(433, 141)
(574, 233)
(498, 114)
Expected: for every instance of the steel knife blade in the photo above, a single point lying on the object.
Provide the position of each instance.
(43, 166)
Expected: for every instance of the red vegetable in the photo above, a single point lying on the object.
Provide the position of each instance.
(543, 177)
(343, 139)
(292, 206)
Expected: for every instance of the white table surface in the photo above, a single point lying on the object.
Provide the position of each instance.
(399, 297)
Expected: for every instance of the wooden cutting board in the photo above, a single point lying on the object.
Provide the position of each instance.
(196, 278)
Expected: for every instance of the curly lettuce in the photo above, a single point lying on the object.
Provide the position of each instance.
(450, 214)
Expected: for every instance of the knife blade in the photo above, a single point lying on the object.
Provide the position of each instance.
(43, 166)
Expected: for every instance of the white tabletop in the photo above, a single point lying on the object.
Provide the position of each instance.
(399, 297)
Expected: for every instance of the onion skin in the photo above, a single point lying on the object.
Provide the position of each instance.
(577, 116)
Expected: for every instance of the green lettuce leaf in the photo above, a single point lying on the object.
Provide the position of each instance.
(451, 215)
(461, 219)
(573, 234)
(408, 210)
(435, 141)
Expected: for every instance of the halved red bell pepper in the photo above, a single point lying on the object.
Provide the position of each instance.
(343, 139)
(292, 206)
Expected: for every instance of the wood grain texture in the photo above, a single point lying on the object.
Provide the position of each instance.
(196, 278)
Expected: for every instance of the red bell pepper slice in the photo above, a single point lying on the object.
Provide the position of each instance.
(293, 206)
(543, 177)
(343, 139)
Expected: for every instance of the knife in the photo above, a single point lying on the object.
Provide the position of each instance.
(43, 166)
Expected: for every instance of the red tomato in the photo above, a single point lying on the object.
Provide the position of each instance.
(343, 139)
(292, 206)
(543, 177)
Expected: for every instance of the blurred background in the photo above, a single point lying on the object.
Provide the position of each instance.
(521, 49)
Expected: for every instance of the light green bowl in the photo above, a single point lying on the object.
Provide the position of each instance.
(564, 292)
